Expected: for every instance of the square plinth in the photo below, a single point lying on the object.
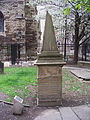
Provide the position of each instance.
(49, 85)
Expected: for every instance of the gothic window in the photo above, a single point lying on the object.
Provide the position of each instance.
(1, 22)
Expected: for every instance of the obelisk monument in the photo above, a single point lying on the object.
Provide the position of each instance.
(49, 68)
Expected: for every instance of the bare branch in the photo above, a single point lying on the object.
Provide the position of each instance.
(82, 34)
(85, 40)
(72, 5)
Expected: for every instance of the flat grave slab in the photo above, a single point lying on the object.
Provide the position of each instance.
(83, 74)
(67, 114)
(82, 111)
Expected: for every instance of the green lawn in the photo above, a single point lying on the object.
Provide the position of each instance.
(17, 79)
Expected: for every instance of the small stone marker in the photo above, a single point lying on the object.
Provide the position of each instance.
(25, 64)
(6, 64)
(1, 67)
(18, 105)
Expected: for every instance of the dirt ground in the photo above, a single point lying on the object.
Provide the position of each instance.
(29, 113)
(69, 98)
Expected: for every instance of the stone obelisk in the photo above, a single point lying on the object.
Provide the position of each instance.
(49, 68)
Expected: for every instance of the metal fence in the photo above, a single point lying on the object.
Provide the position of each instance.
(83, 54)
(86, 52)
(18, 52)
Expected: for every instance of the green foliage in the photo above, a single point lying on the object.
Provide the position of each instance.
(67, 11)
(79, 4)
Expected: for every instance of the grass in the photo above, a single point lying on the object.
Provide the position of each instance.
(17, 79)
(73, 83)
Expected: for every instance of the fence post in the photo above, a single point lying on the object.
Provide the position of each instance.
(65, 50)
(85, 52)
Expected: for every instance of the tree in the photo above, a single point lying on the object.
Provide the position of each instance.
(80, 9)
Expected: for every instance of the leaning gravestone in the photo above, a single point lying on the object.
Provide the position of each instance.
(1, 67)
(49, 69)
(18, 105)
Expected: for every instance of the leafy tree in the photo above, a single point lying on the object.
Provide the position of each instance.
(77, 12)
(80, 9)
(79, 4)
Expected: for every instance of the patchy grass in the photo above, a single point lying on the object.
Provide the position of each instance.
(71, 81)
(74, 89)
(22, 81)
(15, 81)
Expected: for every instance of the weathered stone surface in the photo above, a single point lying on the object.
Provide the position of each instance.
(68, 114)
(49, 69)
(17, 109)
(49, 52)
(83, 74)
(82, 111)
(65, 113)
(18, 106)
(49, 114)
(49, 40)
(49, 85)
(84, 64)
(18, 16)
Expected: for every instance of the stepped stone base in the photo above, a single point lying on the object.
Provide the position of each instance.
(49, 85)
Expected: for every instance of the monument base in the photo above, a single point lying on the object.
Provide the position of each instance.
(49, 103)
(49, 85)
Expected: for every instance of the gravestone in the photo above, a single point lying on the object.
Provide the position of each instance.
(25, 64)
(49, 68)
(1, 67)
(6, 64)
(18, 105)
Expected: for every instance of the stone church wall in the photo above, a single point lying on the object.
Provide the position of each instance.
(20, 27)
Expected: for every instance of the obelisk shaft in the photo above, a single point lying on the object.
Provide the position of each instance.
(49, 40)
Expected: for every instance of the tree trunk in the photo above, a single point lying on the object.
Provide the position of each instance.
(65, 38)
(76, 43)
(76, 49)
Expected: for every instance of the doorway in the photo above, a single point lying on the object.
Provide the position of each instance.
(15, 53)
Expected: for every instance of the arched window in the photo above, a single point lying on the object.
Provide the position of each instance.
(1, 22)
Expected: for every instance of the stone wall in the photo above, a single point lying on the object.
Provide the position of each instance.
(18, 19)
(31, 31)
(11, 11)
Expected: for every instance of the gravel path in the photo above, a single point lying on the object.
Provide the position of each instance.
(6, 112)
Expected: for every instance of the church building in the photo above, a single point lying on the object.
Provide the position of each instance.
(18, 30)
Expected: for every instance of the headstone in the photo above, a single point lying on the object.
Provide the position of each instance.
(6, 64)
(49, 69)
(18, 106)
(25, 64)
(1, 67)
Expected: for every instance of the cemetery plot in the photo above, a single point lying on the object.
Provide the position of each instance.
(22, 81)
